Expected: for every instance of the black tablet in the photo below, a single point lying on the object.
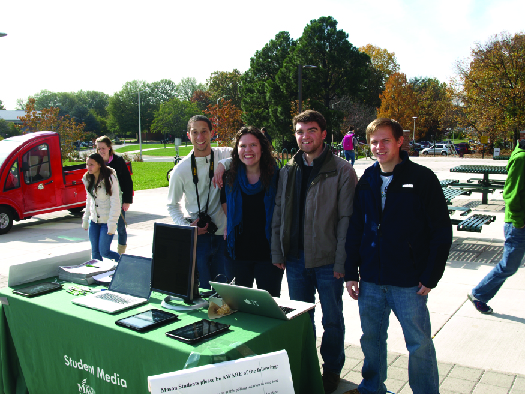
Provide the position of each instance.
(40, 288)
(148, 320)
(197, 331)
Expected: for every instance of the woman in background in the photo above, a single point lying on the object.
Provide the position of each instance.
(105, 149)
(103, 205)
(248, 199)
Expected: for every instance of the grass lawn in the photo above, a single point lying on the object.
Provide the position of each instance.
(128, 148)
(183, 151)
(146, 175)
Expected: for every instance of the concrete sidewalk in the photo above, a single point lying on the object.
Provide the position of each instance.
(476, 353)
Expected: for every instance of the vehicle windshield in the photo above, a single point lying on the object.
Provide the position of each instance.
(7, 146)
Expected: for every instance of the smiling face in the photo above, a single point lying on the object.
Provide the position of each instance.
(93, 167)
(200, 136)
(249, 149)
(104, 151)
(310, 138)
(385, 148)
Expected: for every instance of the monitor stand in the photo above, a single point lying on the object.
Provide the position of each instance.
(195, 304)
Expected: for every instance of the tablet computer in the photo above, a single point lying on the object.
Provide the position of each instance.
(40, 288)
(148, 320)
(197, 331)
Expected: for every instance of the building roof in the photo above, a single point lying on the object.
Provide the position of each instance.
(11, 115)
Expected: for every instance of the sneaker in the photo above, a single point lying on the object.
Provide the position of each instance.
(480, 306)
(330, 381)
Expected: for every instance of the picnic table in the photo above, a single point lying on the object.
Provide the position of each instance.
(484, 185)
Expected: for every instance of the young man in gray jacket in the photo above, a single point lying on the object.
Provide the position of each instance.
(312, 211)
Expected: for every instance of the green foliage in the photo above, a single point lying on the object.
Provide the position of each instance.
(187, 87)
(173, 115)
(224, 84)
(169, 151)
(1, 105)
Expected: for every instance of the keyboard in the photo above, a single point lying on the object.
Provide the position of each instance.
(286, 310)
(111, 297)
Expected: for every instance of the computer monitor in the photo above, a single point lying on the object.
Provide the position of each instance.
(173, 263)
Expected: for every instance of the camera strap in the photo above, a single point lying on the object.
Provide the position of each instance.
(196, 178)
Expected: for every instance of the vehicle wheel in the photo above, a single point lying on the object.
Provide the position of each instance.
(168, 174)
(443, 153)
(425, 153)
(6, 220)
(76, 211)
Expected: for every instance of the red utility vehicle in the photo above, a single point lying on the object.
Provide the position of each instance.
(33, 180)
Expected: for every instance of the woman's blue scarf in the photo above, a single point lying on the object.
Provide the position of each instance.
(234, 204)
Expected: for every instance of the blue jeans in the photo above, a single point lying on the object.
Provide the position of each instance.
(513, 253)
(101, 242)
(211, 260)
(375, 304)
(302, 283)
(121, 229)
(350, 156)
(268, 276)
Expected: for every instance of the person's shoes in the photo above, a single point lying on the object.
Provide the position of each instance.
(479, 305)
(121, 249)
(330, 381)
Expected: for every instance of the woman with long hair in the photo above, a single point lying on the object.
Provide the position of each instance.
(248, 199)
(103, 205)
(105, 149)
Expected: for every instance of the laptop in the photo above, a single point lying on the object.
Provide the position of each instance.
(130, 286)
(260, 302)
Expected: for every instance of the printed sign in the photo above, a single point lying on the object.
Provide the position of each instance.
(484, 139)
(496, 152)
(265, 374)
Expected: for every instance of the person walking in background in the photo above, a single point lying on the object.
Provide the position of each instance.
(312, 208)
(397, 246)
(514, 231)
(103, 204)
(190, 181)
(349, 145)
(105, 149)
(248, 200)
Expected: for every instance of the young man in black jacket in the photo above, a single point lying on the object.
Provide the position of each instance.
(397, 246)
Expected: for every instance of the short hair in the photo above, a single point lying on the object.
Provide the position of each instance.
(310, 116)
(199, 118)
(106, 140)
(351, 128)
(397, 130)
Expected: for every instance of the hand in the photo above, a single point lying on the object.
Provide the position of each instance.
(338, 275)
(125, 206)
(200, 230)
(110, 233)
(217, 176)
(225, 233)
(423, 290)
(352, 287)
(281, 266)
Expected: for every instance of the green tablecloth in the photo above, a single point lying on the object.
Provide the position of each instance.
(54, 346)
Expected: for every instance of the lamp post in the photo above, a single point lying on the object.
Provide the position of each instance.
(140, 132)
(300, 81)
(414, 134)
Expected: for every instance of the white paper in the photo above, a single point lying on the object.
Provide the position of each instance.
(264, 374)
(106, 277)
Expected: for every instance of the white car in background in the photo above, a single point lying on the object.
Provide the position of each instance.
(441, 149)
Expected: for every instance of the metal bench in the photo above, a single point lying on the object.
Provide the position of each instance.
(464, 210)
(446, 182)
(473, 223)
(501, 157)
(451, 193)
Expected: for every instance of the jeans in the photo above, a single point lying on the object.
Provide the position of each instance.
(350, 156)
(211, 260)
(513, 253)
(302, 283)
(121, 229)
(267, 275)
(101, 242)
(375, 304)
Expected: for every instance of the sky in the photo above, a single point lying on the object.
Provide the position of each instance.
(67, 46)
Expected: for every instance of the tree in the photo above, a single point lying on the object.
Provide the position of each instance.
(433, 102)
(255, 88)
(188, 86)
(1, 105)
(398, 101)
(48, 119)
(172, 117)
(225, 84)
(226, 120)
(4, 128)
(491, 86)
(202, 99)
(383, 61)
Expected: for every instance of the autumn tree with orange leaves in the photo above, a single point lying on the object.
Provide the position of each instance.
(226, 120)
(47, 119)
(398, 100)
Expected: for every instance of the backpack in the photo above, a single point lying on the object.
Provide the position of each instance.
(348, 142)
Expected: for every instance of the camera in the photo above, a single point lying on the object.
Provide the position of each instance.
(205, 219)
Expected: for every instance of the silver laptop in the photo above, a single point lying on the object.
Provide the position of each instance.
(130, 286)
(260, 302)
